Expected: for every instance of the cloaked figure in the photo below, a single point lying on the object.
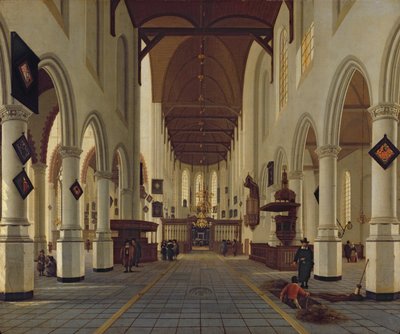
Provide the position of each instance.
(305, 260)
(51, 267)
(127, 255)
(41, 260)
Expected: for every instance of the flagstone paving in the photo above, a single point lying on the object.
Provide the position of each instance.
(202, 292)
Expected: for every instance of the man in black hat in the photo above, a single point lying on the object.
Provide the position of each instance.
(305, 259)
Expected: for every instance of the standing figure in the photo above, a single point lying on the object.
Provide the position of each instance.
(41, 263)
(347, 251)
(170, 250)
(87, 245)
(138, 252)
(50, 246)
(51, 267)
(234, 247)
(353, 255)
(127, 254)
(164, 250)
(305, 259)
(175, 248)
(224, 247)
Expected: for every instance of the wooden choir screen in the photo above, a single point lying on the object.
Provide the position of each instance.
(229, 230)
(180, 230)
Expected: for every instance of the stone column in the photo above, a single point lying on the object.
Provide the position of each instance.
(296, 184)
(327, 245)
(126, 203)
(39, 170)
(103, 244)
(70, 247)
(52, 214)
(16, 248)
(136, 140)
(383, 243)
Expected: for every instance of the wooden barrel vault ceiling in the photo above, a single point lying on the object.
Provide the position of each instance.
(198, 52)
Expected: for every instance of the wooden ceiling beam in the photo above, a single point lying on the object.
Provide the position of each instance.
(235, 110)
(232, 120)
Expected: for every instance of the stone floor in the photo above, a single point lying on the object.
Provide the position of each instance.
(200, 293)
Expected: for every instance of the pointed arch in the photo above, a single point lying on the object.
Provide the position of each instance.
(5, 80)
(86, 163)
(65, 96)
(280, 161)
(94, 119)
(120, 149)
(299, 140)
(390, 73)
(336, 97)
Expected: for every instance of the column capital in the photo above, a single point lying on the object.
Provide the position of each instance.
(126, 191)
(328, 151)
(103, 175)
(70, 152)
(296, 175)
(39, 167)
(10, 112)
(385, 110)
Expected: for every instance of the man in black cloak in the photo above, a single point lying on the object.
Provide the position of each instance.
(305, 259)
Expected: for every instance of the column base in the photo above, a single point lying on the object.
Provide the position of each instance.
(328, 260)
(102, 270)
(15, 296)
(328, 278)
(70, 257)
(17, 273)
(70, 279)
(103, 254)
(383, 297)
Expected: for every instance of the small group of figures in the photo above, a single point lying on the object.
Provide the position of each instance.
(226, 243)
(304, 258)
(350, 252)
(169, 250)
(46, 265)
(130, 254)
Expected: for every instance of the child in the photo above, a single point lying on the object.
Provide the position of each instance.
(290, 292)
(40, 263)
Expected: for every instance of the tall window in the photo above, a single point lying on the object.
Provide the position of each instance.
(185, 188)
(283, 70)
(307, 48)
(199, 186)
(347, 197)
(214, 186)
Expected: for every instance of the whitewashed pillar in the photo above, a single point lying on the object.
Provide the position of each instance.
(383, 243)
(126, 203)
(103, 244)
(296, 184)
(16, 248)
(70, 248)
(327, 245)
(39, 181)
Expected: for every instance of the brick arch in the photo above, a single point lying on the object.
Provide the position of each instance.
(48, 124)
(87, 163)
(32, 146)
(145, 174)
(55, 165)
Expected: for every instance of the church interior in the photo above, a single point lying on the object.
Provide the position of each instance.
(236, 130)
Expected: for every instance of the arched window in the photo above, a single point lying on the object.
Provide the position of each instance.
(307, 34)
(347, 197)
(185, 188)
(122, 77)
(199, 186)
(214, 186)
(283, 69)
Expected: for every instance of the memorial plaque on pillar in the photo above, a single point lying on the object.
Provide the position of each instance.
(24, 73)
(22, 148)
(316, 194)
(384, 152)
(76, 190)
(145, 209)
(157, 186)
(23, 184)
(157, 209)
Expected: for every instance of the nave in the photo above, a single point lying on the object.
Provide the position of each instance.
(201, 292)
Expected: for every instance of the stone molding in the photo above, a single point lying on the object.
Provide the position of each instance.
(39, 168)
(385, 111)
(331, 151)
(126, 191)
(9, 112)
(70, 152)
(103, 175)
(296, 175)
